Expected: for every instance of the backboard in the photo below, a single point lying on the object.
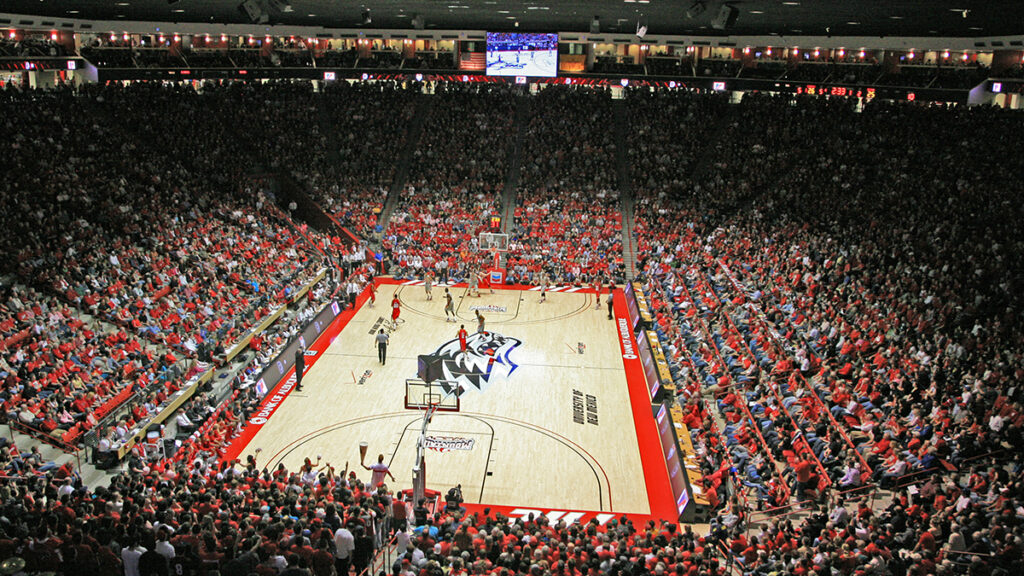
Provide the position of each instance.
(492, 241)
(420, 395)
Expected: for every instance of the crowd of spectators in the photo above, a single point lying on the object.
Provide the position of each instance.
(190, 515)
(121, 243)
(838, 318)
(456, 179)
(439, 60)
(30, 46)
(670, 66)
(371, 122)
(567, 220)
(63, 373)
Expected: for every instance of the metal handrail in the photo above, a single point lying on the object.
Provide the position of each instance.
(384, 550)
(791, 505)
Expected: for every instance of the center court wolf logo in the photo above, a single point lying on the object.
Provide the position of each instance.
(486, 354)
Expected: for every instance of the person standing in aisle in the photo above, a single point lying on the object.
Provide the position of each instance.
(300, 367)
(344, 544)
(382, 346)
(449, 307)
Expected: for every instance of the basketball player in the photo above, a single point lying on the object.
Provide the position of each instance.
(479, 322)
(543, 293)
(396, 310)
(373, 293)
(597, 292)
(474, 282)
(449, 307)
(462, 337)
(428, 283)
(485, 280)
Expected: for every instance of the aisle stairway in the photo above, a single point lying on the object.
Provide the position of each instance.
(625, 180)
(508, 197)
(424, 103)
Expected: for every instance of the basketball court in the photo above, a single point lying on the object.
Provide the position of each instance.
(553, 413)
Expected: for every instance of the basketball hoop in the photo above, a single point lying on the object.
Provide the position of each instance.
(424, 396)
(429, 409)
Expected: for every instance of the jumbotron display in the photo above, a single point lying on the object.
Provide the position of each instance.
(514, 54)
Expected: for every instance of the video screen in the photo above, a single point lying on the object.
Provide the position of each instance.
(650, 367)
(515, 54)
(634, 310)
(676, 473)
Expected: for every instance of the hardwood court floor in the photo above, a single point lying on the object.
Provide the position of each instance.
(557, 432)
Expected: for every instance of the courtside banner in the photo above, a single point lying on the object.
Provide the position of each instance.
(656, 473)
(272, 379)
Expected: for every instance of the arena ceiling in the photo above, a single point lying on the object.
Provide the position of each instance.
(888, 18)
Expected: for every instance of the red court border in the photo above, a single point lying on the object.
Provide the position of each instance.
(655, 470)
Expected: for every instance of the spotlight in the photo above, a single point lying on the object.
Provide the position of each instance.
(595, 25)
(366, 16)
(696, 9)
(641, 30)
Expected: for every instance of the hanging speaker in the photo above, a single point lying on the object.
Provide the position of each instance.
(695, 9)
(726, 18)
(429, 367)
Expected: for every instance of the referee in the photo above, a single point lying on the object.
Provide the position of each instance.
(382, 346)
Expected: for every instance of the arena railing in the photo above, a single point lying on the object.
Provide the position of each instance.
(771, 512)
(985, 455)
(919, 475)
(138, 433)
(710, 341)
(42, 436)
(773, 386)
(382, 558)
(243, 342)
(760, 317)
(756, 313)
(90, 439)
(697, 321)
